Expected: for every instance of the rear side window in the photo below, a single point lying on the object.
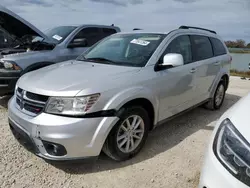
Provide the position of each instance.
(181, 45)
(108, 31)
(202, 48)
(218, 47)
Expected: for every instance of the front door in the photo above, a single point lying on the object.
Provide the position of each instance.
(177, 84)
(91, 34)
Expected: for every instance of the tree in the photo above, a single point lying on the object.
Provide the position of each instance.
(240, 43)
(237, 44)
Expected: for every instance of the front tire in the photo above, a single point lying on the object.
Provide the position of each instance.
(129, 135)
(216, 102)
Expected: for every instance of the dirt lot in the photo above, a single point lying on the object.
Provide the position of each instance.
(172, 156)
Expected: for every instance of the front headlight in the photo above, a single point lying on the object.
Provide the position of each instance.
(233, 151)
(10, 65)
(71, 105)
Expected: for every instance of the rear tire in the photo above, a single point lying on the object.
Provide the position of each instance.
(216, 102)
(129, 135)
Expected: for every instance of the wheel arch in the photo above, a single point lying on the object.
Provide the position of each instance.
(144, 103)
(136, 96)
(223, 76)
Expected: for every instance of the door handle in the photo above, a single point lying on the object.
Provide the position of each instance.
(193, 70)
(217, 64)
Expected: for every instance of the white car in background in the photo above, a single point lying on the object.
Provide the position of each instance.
(227, 163)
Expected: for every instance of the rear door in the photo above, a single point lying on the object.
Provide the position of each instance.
(207, 66)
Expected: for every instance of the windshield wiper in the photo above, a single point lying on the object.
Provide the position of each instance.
(99, 59)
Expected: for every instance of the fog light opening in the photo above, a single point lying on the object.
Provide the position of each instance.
(54, 149)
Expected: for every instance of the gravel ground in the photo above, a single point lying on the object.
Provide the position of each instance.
(172, 156)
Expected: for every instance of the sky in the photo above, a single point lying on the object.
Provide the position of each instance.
(230, 18)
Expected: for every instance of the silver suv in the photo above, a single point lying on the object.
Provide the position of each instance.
(37, 49)
(111, 96)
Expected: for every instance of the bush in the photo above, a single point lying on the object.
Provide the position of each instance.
(235, 72)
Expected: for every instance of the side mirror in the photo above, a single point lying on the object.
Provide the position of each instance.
(171, 60)
(82, 42)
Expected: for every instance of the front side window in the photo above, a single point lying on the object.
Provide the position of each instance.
(202, 48)
(124, 49)
(91, 34)
(181, 45)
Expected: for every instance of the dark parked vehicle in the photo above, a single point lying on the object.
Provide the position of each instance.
(38, 49)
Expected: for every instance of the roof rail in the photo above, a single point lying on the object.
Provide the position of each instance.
(190, 27)
(136, 29)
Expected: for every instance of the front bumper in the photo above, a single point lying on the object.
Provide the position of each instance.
(82, 138)
(214, 175)
(8, 81)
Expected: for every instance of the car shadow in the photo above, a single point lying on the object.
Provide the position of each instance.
(160, 139)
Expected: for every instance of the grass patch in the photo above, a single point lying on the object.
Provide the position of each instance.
(234, 72)
(247, 51)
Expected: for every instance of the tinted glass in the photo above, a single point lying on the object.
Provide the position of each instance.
(202, 48)
(181, 45)
(125, 49)
(107, 31)
(92, 34)
(218, 47)
(58, 34)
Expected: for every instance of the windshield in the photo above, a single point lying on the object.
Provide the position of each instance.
(124, 49)
(58, 34)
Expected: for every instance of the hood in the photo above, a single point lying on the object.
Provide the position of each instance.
(238, 114)
(69, 78)
(17, 26)
(19, 57)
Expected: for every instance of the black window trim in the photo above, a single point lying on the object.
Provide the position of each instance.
(192, 45)
(209, 38)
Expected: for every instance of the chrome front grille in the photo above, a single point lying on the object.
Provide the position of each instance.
(30, 103)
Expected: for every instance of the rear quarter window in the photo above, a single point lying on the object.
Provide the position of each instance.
(218, 47)
(201, 47)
